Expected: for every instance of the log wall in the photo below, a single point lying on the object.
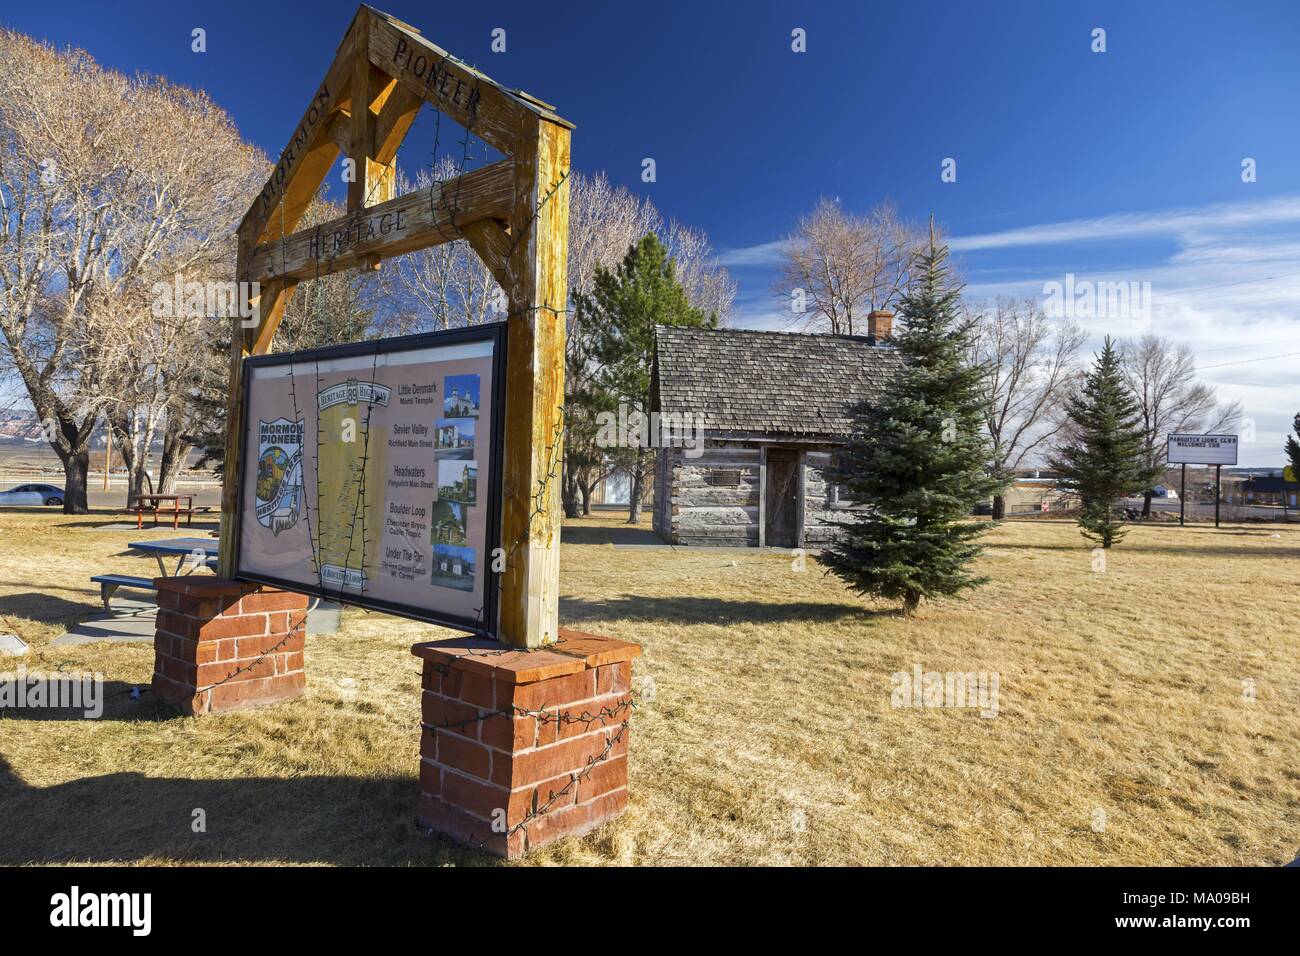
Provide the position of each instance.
(713, 500)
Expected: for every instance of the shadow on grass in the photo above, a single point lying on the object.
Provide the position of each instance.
(44, 607)
(349, 821)
(593, 534)
(688, 610)
(117, 700)
(1190, 549)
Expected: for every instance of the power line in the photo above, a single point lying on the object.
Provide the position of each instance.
(1267, 358)
(1226, 285)
(1254, 345)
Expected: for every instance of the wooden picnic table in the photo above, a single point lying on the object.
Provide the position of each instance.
(175, 512)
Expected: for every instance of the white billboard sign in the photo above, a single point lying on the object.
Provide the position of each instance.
(1202, 449)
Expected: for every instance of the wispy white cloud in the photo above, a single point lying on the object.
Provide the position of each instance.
(1188, 223)
(1225, 281)
(763, 254)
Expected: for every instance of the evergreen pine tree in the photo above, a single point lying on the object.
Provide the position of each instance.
(624, 306)
(1293, 448)
(917, 459)
(1102, 459)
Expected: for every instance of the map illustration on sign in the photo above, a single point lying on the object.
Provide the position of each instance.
(279, 474)
(347, 543)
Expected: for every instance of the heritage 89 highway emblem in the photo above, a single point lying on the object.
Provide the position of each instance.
(279, 474)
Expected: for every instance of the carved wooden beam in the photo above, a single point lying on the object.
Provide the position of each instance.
(475, 101)
(308, 156)
(409, 222)
(489, 239)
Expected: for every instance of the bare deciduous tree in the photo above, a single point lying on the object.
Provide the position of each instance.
(103, 179)
(708, 287)
(1032, 367)
(839, 266)
(1162, 377)
(445, 286)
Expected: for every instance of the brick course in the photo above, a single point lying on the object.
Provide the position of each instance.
(508, 782)
(225, 645)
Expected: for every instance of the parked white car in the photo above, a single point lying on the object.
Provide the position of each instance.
(32, 495)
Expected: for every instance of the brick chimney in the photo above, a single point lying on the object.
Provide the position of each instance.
(880, 324)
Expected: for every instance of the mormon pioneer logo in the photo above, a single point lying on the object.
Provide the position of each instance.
(279, 474)
(75, 909)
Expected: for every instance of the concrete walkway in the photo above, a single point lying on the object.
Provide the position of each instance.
(132, 620)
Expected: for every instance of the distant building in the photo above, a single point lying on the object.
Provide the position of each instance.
(1271, 490)
(775, 407)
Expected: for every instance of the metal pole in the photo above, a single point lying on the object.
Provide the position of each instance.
(1182, 499)
(1217, 468)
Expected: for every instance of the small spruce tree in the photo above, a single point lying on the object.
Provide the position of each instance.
(1293, 448)
(1102, 458)
(917, 460)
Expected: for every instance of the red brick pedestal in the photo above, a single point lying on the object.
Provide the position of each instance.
(226, 645)
(519, 748)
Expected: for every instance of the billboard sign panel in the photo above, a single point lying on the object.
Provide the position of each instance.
(370, 474)
(1202, 449)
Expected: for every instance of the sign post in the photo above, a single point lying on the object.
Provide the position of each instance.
(1216, 494)
(1216, 450)
(1182, 499)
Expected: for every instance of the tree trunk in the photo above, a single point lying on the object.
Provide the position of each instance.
(585, 490)
(126, 448)
(911, 601)
(634, 503)
(134, 470)
(1146, 504)
(999, 507)
(76, 471)
(175, 451)
(570, 493)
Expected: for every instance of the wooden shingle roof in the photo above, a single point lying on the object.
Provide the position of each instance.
(768, 382)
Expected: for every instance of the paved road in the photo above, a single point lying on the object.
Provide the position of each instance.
(115, 497)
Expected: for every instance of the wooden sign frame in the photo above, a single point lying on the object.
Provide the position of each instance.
(514, 214)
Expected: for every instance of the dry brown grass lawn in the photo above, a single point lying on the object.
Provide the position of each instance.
(770, 737)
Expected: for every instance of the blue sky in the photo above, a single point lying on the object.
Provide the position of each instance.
(1115, 166)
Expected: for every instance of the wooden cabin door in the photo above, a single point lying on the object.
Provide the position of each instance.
(782, 505)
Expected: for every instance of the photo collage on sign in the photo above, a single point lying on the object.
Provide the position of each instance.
(454, 563)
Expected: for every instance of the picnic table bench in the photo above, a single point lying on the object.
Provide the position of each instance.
(154, 503)
(185, 549)
(109, 583)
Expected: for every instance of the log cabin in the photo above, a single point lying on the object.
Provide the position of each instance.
(774, 408)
